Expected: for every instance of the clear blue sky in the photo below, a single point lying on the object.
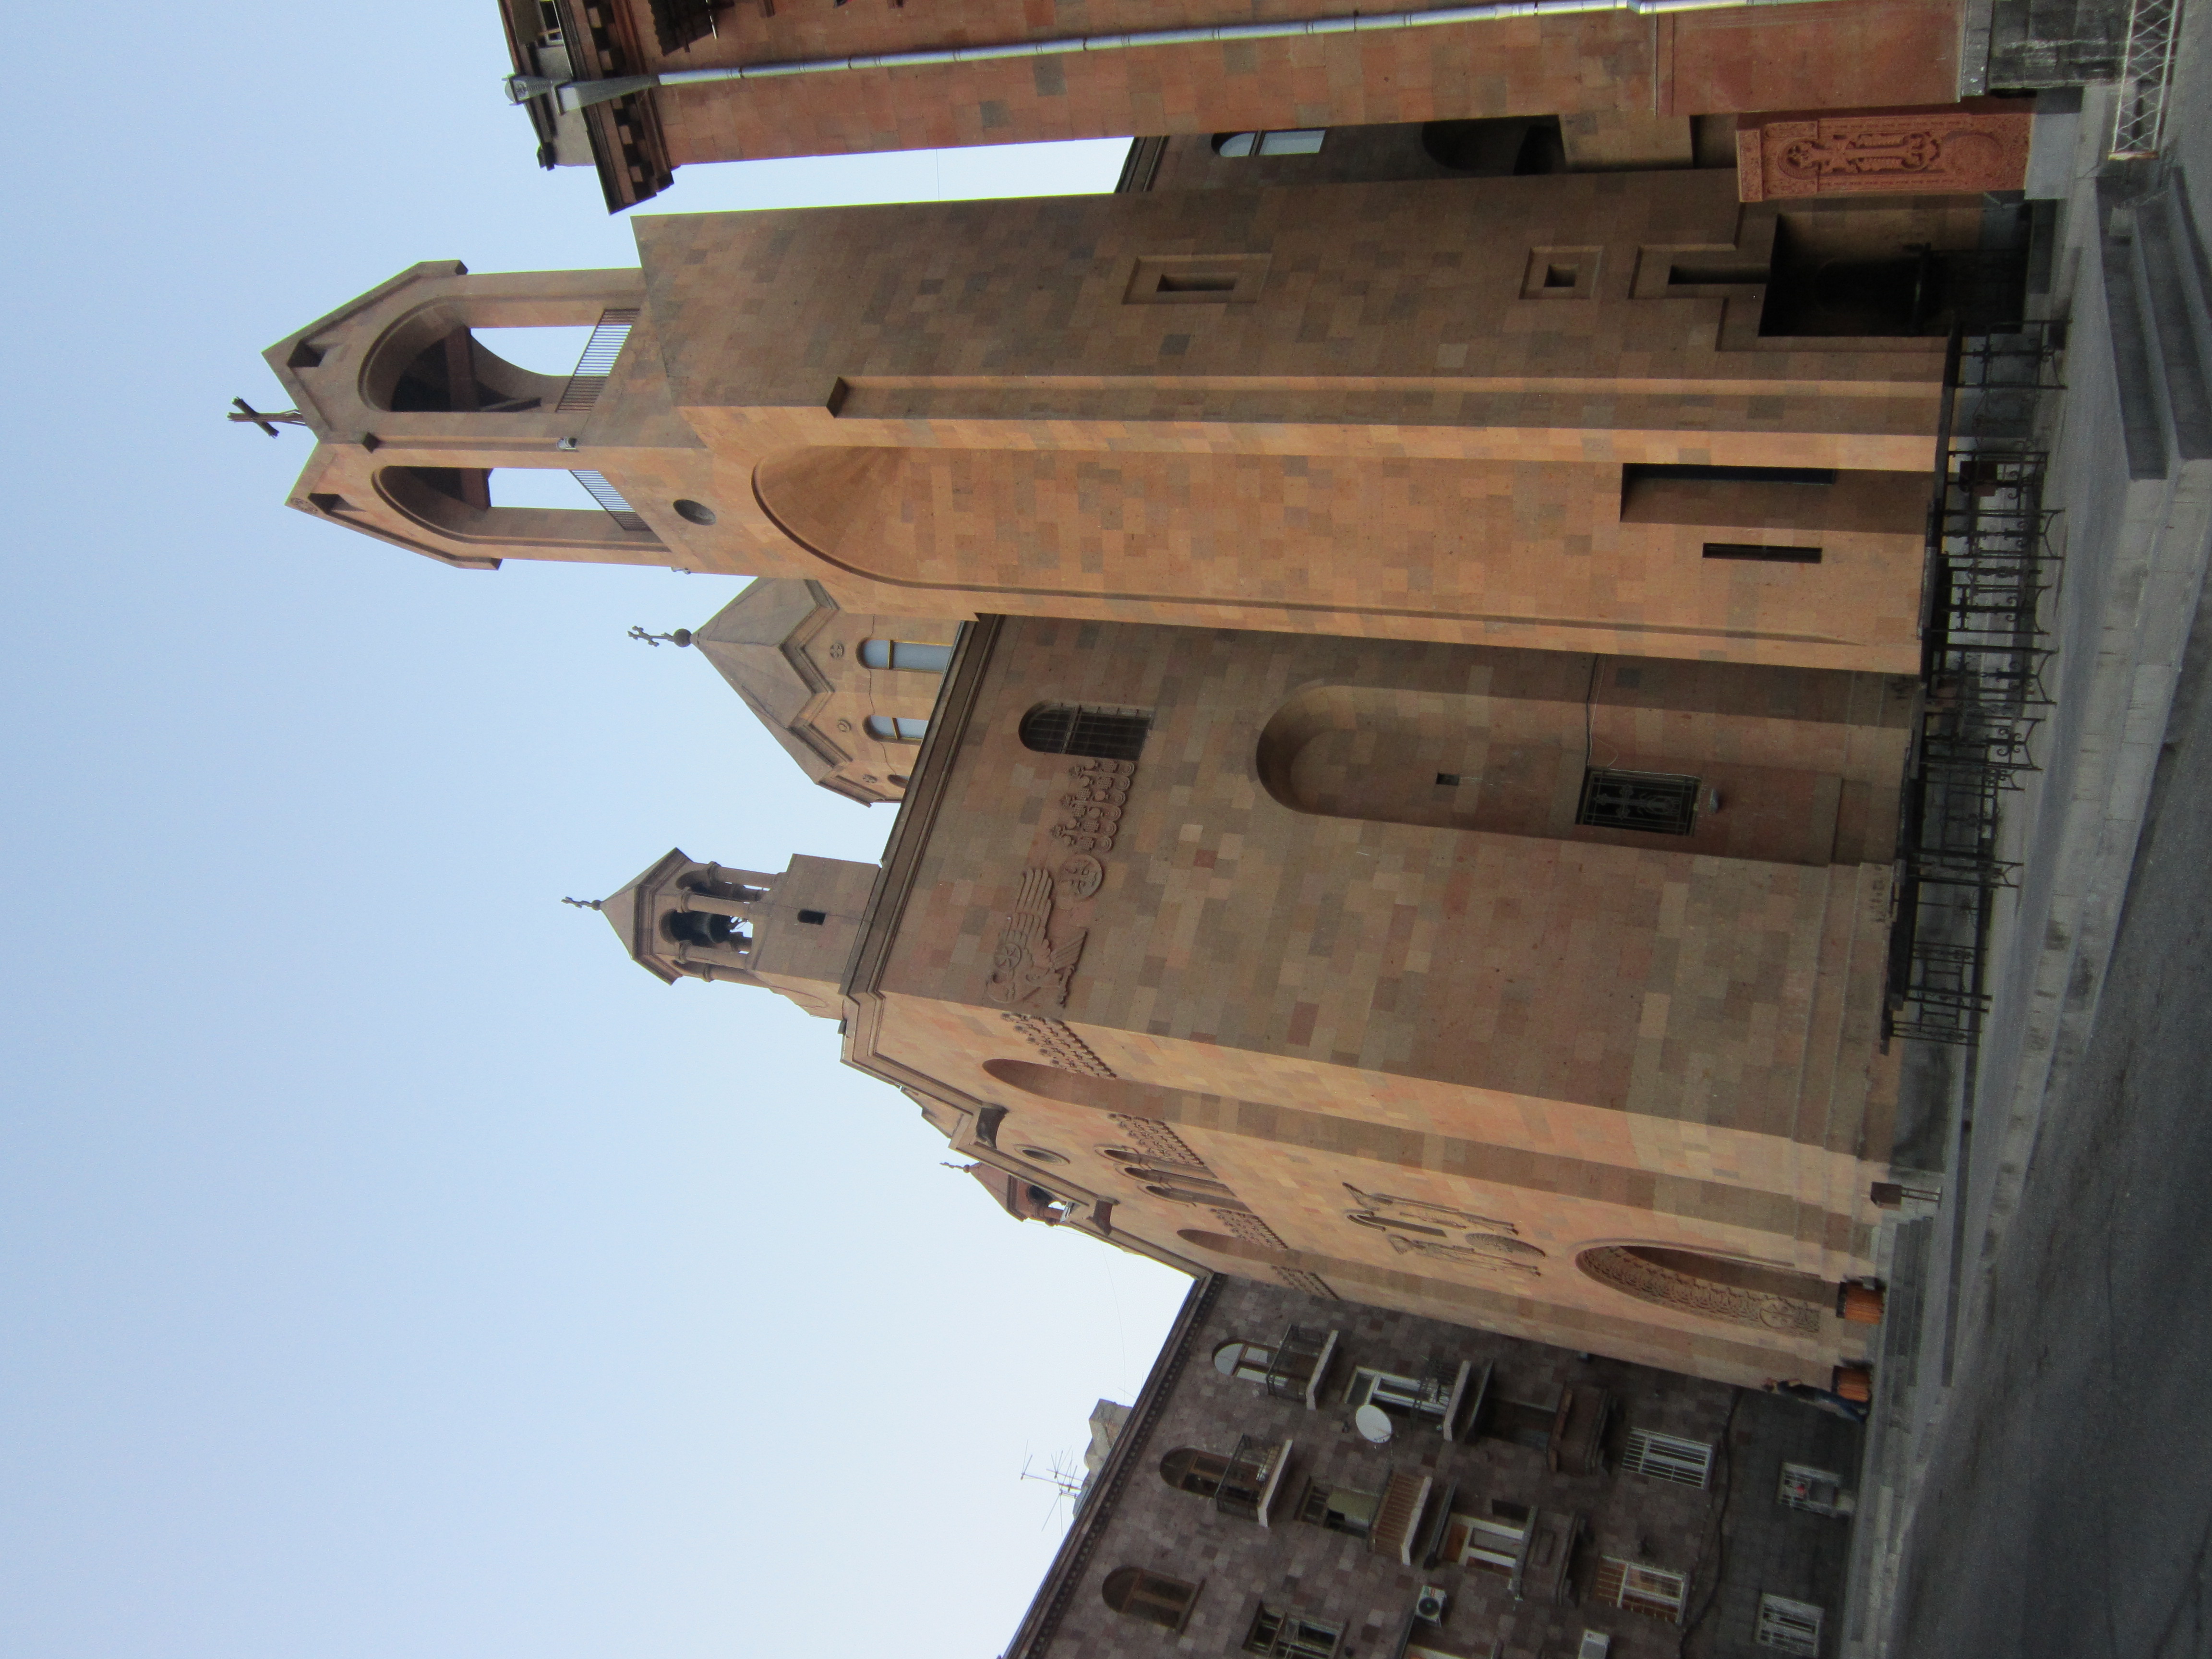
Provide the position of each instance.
(388, 1267)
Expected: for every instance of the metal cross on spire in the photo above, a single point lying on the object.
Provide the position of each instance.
(585, 904)
(681, 636)
(251, 416)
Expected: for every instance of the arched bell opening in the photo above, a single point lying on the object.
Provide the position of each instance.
(434, 361)
(704, 927)
(454, 504)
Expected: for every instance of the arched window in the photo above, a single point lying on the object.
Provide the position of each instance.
(1150, 1596)
(906, 654)
(1189, 1469)
(1148, 1166)
(896, 729)
(1220, 1199)
(1173, 1175)
(1067, 729)
(1247, 1361)
(1293, 141)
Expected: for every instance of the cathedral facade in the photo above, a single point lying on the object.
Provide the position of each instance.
(1396, 686)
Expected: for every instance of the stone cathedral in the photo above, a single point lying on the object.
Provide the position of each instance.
(1396, 689)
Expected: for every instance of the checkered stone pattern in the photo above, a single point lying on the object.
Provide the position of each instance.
(1587, 1037)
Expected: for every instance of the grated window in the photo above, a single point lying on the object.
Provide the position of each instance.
(1659, 802)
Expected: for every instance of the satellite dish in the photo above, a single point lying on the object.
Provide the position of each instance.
(1373, 1422)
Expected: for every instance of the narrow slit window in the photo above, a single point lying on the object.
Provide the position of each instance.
(813, 918)
(1066, 728)
(1760, 551)
(1658, 802)
(887, 728)
(907, 655)
(1290, 140)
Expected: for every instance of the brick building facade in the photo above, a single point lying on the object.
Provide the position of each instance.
(1297, 1472)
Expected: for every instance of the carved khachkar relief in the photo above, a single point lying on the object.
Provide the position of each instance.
(1965, 149)
(1030, 969)
(1419, 1216)
(1057, 1046)
(1632, 1275)
(1155, 1139)
(1312, 1283)
(1091, 810)
(1480, 1250)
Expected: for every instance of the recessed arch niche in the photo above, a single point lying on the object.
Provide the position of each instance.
(1382, 753)
(1754, 1293)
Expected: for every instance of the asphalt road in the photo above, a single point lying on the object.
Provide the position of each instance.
(2068, 1509)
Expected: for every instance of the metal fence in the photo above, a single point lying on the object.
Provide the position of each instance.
(1983, 657)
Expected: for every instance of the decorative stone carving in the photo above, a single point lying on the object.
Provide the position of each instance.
(1057, 1046)
(1298, 1280)
(1415, 1215)
(1953, 149)
(1155, 1139)
(1480, 1250)
(1247, 1226)
(1091, 810)
(1079, 877)
(1030, 969)
(1631, 1274)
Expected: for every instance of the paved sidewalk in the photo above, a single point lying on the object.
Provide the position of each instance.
(2135, 553)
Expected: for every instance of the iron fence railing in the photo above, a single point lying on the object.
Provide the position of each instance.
(1296, 1359)
(1984, 662)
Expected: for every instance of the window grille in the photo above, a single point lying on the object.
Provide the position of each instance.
(608, 496)
(598, 362)
(1667, 1457)
(1813, 1491)
(1787, 1627)
(1640, 1588)
(1279, 1635)
(1659, 803)
(1066, 728)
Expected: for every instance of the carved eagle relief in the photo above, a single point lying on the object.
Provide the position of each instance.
(1030, 969)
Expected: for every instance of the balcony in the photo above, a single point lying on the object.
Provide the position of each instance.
(1298, 1362)
(1247, 1486)
(1398, 1516)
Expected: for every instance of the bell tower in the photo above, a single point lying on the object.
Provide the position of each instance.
(792, 933)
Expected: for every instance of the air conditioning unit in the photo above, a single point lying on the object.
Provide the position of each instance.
(1596, 1645)
(1429, 1604)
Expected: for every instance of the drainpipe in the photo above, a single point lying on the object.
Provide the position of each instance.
(575, 95)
